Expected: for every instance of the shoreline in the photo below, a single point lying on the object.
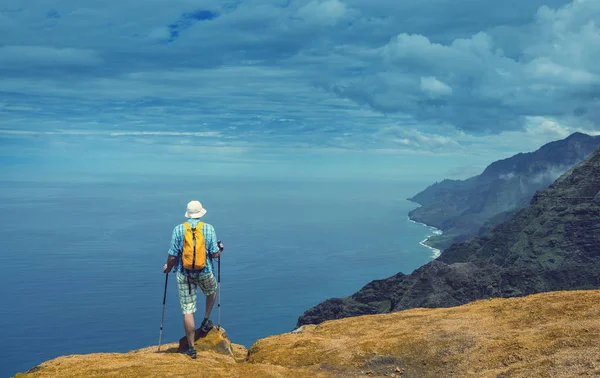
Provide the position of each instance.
(435, 252)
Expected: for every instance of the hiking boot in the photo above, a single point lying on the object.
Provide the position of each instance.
(206, 326)
(191, 352)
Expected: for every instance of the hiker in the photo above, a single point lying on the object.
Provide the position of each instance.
(194, 268)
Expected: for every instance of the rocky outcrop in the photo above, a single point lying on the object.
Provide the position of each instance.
(553, 244)
(214, 340)
(546, 335)
(461, 209)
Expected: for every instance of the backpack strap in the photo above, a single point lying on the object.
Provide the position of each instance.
(188, 227)
(199, 227)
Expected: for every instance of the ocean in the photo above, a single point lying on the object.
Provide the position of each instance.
(82, 261)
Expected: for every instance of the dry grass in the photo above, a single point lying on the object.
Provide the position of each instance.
(545, 335)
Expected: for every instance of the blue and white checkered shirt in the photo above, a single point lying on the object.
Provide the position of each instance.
(210, 241)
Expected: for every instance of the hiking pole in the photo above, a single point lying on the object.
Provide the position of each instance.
(219, 289)
(163, 311)
(219, 304)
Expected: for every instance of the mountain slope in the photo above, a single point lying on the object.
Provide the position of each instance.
(553, 244)
(545, 335)
(461, 208)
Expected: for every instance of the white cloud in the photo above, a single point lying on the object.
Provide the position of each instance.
(548, 128)
(9, 107)
(326, 12)
(550, 175)
(208, 134)
(435, 88)
(551, 73)
(44, 56)
(462, 54)
(191, 149)
(211, 134)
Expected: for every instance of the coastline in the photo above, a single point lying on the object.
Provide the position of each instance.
(435, 252)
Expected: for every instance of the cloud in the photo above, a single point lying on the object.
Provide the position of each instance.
(43, 56)
(507, 177)
(546, 71)
(53, 13)
(327, 12)
(191, 149)
(187, 20)
(491, 90)
(435, 88)
(550, 175)
(208, 134)
(433, 78)
(419, 53)
(543, 127)
(165, 133)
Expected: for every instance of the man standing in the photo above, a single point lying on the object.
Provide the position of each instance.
(200, 273)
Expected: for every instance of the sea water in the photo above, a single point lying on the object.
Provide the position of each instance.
(81, 262)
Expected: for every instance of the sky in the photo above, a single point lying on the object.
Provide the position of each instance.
(426, 89)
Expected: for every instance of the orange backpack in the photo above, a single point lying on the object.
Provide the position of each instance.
(194, 250)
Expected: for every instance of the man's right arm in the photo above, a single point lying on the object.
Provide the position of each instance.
(174, 250)
(214, 248)
(171, 261)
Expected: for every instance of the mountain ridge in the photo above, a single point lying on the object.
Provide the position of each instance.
(553, 244)
(467, 208)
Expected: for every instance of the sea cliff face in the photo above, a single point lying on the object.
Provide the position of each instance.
(546, 335)
(462, 209)
(553, 244)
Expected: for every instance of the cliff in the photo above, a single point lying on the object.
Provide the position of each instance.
(462, 209)
(545, 335)
(553, 244)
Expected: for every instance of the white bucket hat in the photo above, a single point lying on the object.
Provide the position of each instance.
(194, 210)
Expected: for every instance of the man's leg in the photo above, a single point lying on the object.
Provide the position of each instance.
(190, 328)
(210, 302)
(187, 300)
(208, 284)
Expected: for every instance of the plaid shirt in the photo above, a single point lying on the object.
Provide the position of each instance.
(210, 241)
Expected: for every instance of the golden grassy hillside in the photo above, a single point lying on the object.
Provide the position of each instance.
(544, 335)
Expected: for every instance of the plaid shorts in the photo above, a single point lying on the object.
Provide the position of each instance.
(187, 297)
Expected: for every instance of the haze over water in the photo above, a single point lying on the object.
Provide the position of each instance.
(83, 261)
